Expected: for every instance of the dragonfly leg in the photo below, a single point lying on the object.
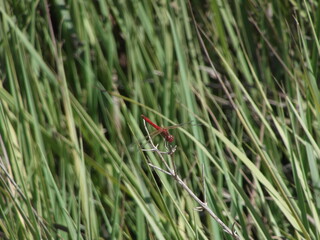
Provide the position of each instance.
(170, 149)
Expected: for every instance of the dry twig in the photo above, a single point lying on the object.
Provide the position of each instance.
(173, 173)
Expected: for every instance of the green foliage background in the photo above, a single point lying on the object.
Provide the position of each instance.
(71, 167)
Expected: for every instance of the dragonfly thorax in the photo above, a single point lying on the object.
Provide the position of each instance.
(169, 138)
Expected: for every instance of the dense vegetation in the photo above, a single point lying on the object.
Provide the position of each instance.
(76, 76)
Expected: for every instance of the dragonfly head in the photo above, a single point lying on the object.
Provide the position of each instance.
(170, 138)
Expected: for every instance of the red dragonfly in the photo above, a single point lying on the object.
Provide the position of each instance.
(164, 131)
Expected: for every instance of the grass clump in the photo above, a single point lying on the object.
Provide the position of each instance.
(77, 75)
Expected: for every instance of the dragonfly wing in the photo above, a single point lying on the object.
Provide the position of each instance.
(179, 125)
(152, 135)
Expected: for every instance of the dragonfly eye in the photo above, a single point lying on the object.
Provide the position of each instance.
(170, 138)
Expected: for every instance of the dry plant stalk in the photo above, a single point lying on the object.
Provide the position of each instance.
(172, 172)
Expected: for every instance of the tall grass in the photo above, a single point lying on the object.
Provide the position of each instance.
(77, 75)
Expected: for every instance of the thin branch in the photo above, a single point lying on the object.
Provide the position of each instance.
(206, 208)
(159, 169)
(173, 173)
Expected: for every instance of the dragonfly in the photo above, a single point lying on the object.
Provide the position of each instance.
(163, 131)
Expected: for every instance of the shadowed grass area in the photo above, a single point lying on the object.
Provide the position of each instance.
(76, 77)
